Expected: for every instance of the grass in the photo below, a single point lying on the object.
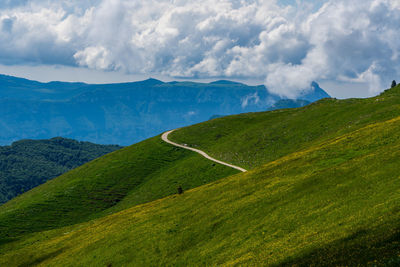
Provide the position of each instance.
(251, 139)
(141, 173)
(330, 204)
(323, 189)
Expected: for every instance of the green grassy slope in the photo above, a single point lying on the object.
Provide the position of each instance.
(335, 203)
(140, 173)
(323, 190)
(251, 139)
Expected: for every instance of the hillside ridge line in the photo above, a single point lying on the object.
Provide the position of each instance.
(164, 137)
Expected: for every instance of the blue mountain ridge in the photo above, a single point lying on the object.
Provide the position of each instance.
(124, 113)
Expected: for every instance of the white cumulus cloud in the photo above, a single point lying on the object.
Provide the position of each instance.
(287, 46)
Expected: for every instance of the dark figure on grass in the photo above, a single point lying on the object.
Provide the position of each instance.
(180, 190)
(394, 84)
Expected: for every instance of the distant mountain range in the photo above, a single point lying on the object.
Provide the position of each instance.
(125, 113)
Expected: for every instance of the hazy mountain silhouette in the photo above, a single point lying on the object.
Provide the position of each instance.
(122, 113)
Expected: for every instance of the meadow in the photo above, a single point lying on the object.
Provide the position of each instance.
(323, 189)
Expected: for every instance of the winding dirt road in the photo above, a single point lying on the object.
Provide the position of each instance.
(164, 137)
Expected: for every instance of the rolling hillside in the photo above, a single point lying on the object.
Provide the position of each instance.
(140, 173)
(251, 139)
(323, 189)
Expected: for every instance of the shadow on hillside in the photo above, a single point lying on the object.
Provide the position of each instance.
(41, 259)
(5, 240)
(363, 247)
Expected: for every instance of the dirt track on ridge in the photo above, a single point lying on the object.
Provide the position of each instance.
(164, 137)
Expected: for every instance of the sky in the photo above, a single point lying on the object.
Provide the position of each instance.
(351, 48)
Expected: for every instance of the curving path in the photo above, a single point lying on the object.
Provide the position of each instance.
(164, 137)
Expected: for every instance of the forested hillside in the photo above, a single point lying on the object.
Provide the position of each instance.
(29, 163)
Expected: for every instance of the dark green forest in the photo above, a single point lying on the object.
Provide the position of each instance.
(28, 163)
